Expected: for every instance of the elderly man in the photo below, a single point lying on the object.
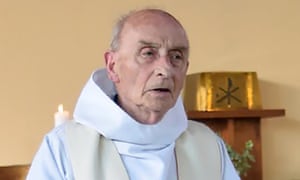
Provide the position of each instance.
(129, 122)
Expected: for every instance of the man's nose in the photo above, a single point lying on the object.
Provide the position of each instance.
(163, 67)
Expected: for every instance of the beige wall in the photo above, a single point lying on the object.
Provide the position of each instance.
(49, 48)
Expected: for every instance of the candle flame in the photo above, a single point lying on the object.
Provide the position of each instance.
(60, 108)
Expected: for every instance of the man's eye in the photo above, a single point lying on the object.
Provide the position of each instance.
(176, 56)
(148, 53)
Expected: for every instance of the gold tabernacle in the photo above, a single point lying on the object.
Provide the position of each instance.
(209, 91)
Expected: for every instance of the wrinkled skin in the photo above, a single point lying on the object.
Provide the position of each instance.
(149, 66)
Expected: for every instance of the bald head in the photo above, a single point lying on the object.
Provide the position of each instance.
(148, 62)
(157, 17)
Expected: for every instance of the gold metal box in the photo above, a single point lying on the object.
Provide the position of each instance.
(209, 91)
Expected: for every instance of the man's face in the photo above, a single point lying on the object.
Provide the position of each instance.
(151, 63)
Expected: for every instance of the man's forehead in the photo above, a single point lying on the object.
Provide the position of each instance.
(157, 44)
(157, 28)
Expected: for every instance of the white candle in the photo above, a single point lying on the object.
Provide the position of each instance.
(61, 116)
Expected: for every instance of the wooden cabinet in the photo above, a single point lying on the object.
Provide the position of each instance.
(238, 126)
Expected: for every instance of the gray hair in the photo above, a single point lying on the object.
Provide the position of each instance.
(119, 26)
(116, 32)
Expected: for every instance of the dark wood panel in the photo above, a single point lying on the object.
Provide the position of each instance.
(241, 113)
(238, 126)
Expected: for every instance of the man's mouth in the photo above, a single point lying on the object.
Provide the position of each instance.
(161, 90)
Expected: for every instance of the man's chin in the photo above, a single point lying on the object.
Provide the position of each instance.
(162, 107)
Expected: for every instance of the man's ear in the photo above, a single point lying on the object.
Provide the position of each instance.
(111, 66)
(187, 65)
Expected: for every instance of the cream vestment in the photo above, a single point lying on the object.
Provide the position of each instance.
(197, 153)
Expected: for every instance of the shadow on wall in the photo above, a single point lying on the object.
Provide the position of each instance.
(280, 136)
(281, 96)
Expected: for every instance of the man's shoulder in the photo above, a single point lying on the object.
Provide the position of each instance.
(199, 128)
(197, 133)
(59, 133)
(198, 149)
(56, 134)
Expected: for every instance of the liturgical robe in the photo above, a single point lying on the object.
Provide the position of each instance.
(146, 152)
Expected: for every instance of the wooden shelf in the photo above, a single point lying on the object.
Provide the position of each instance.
(238, 126)
(241, 113)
